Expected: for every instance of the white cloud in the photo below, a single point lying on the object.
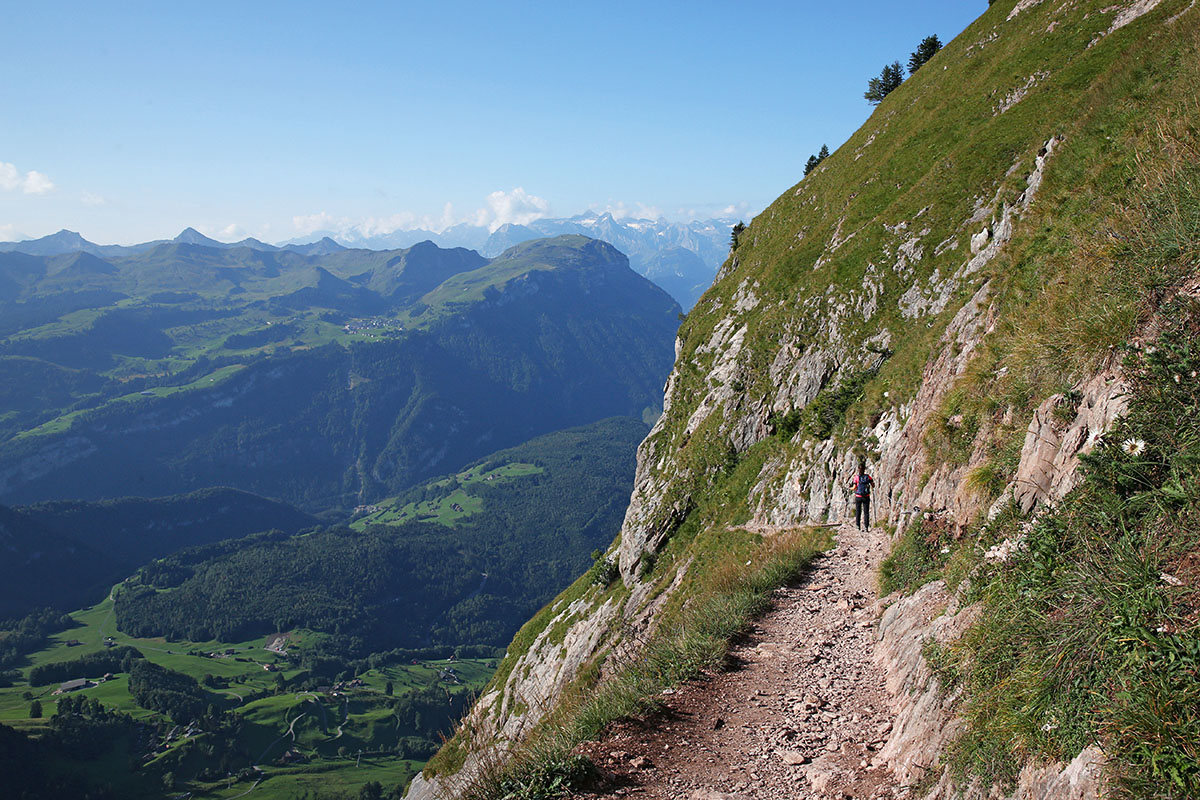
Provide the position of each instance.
(32, 182)
(623, 210)
(517, 207)
(9, 233)
(322, 221)
(36, 183)
(381, 226)
(229, 233)
(714, 211)
(91, 199)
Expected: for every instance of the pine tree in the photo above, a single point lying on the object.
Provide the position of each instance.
(925, 50)
(737, 232)
(35, 709)
(890, 77)
(813, 161)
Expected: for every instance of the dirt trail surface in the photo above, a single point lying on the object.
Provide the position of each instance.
(801, 714)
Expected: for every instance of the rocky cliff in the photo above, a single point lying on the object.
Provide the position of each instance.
(945, 299)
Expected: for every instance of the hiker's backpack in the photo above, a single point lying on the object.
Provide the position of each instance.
(862, 486)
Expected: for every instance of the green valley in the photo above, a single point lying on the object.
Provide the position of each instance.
(326, 659)
(453, 501)
(270, 722)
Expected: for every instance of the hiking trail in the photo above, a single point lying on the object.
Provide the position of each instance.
(801, 713)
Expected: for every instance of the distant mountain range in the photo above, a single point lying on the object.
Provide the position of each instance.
(681, 257)
(65, 242)
(323, 380)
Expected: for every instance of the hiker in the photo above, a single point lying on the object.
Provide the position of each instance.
(861, 485)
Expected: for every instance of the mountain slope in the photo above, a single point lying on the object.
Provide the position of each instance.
(536, 511)
(379, 370)
(941, 298)
(645, 242)
(67, 554)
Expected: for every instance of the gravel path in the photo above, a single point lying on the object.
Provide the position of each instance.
(801, 714)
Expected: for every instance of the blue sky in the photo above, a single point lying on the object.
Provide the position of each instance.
(128, 121)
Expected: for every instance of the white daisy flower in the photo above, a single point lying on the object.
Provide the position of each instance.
(1134, 447)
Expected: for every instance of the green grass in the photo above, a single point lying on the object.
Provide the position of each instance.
(1082, 639)
(337, 776)
(98, 622)
(369, 725)
(468, 288)
(63, 423)
(441, 509)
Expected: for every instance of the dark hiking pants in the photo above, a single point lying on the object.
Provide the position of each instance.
(862, 511)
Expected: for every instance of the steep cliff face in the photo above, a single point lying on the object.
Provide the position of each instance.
(941, 299)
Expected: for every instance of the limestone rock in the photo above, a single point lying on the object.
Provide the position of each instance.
(980, 240)
(1050, 456)
(709, 794)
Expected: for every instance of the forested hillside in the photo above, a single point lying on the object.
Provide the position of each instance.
(408, 583)
(66, 554)
(372, 636)
(326, 381)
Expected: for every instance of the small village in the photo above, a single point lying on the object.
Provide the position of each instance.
(373, 326)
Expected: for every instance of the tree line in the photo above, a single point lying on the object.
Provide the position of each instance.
(92, 665)
(892, 75)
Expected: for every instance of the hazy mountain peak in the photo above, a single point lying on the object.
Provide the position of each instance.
(322, 247)
(190, 235)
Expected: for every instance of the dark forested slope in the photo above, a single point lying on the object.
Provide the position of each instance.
(471, 579)
(66, 554)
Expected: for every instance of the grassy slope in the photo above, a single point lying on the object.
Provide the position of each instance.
(442, 510)
(925, 157)
(1108, 234)
(1064, 295)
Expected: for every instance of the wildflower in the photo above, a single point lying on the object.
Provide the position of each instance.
(1178, 378)
(945, 550)
(1134, 447)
